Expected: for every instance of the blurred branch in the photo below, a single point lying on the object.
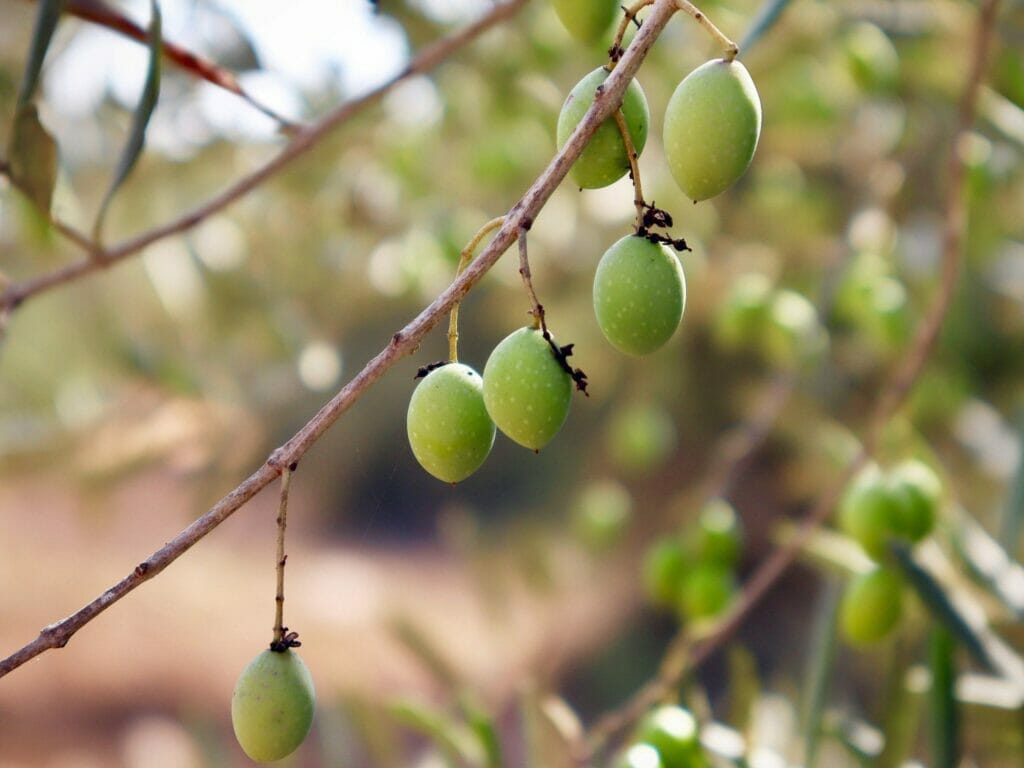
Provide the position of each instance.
(301, 143)
(685, 653)
(101, 14)
(404, 342)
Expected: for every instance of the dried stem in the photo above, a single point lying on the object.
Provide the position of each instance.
(402, 343)
(101, 14)
(536, 308)
(629, 15)
(634, 168)
(301, 143)
(282, 558)
(464, 259)
(682, 655)
(729, 49)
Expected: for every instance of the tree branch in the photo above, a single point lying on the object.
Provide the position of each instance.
(683, 654)
(607, 100)
(302, 142)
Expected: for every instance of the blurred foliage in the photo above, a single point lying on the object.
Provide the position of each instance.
(246, 324)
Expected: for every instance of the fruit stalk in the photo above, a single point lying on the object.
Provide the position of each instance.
(536, 308)
(464, 259)
(634, 168)
(729, 49)
(628, 15)
(282, 523)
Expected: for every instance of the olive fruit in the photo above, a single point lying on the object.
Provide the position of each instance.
(449, 430)
(604, 160)
(527, 392)
(717, 536)
(272, 706)
(639, 295)
(873, 510)
(586, 20)
(923, 490)
(706, 590)
(871, 57)
(871, 606)
(663, 570)
(712, 124)
(640, 756)
(743, 315)
(672, 731)
(640, 437)
(601, 513)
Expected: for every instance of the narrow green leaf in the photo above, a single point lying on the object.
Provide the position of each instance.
(744, 688)
(944, 715)
(47, 15)
(445, 734)
(765, 19)
(481, 723)
(819, 672)
(933, 595)
(140, 120)
(1013, 513)
(32, 157)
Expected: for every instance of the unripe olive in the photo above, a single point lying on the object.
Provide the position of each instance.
(449, 430)
(601, 513)
(640, 756)
(717, 536)
(604, 160)
(712, 124)
(924, 495)
(640, 437)
(873, 510)
(706, 590)
(639, 295)
(663, 569)
(871, 57)
(672, 731)
(272, 706)
(871, 606)
(742, 317)
(586, 20)
(526, 390)
(794, 333)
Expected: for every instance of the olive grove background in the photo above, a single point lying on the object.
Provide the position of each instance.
(134, 398)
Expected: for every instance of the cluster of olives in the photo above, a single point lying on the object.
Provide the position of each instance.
(525, 391)
(666, 738)
(693, 573)
(871, 300)
(272, 705)
(779, 324)
(880, 507)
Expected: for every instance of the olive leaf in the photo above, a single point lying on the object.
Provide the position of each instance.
(944, 714)
(140, 120)
(32, 157)
(767, 15)
(46, 22)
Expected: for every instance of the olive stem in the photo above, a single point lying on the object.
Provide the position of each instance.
(282, 523)
(634, 168)
(730, 49)
(464, 259)
(524, 271)
(629, 14)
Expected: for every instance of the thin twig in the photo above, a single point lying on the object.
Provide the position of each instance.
(729, 49)
(300, 144)
(536, 308)
(282, 558)
(683, 656)
(629, 15)
(101, 14)
(634, 168)
(402, 343)
(464, 258)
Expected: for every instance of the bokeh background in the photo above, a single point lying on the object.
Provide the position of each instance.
(134, 399)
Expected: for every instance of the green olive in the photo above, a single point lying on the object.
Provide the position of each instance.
(712, 124)
(663, 569)
(449, 430)
(586, 20)
(526, 390)
(672, 731)
(874, 510)
(639, 295)
(604, 160)
(871, 606)
(640, 756)
(706, 591)
(924, 491)
(272, 706)
(717, 535)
